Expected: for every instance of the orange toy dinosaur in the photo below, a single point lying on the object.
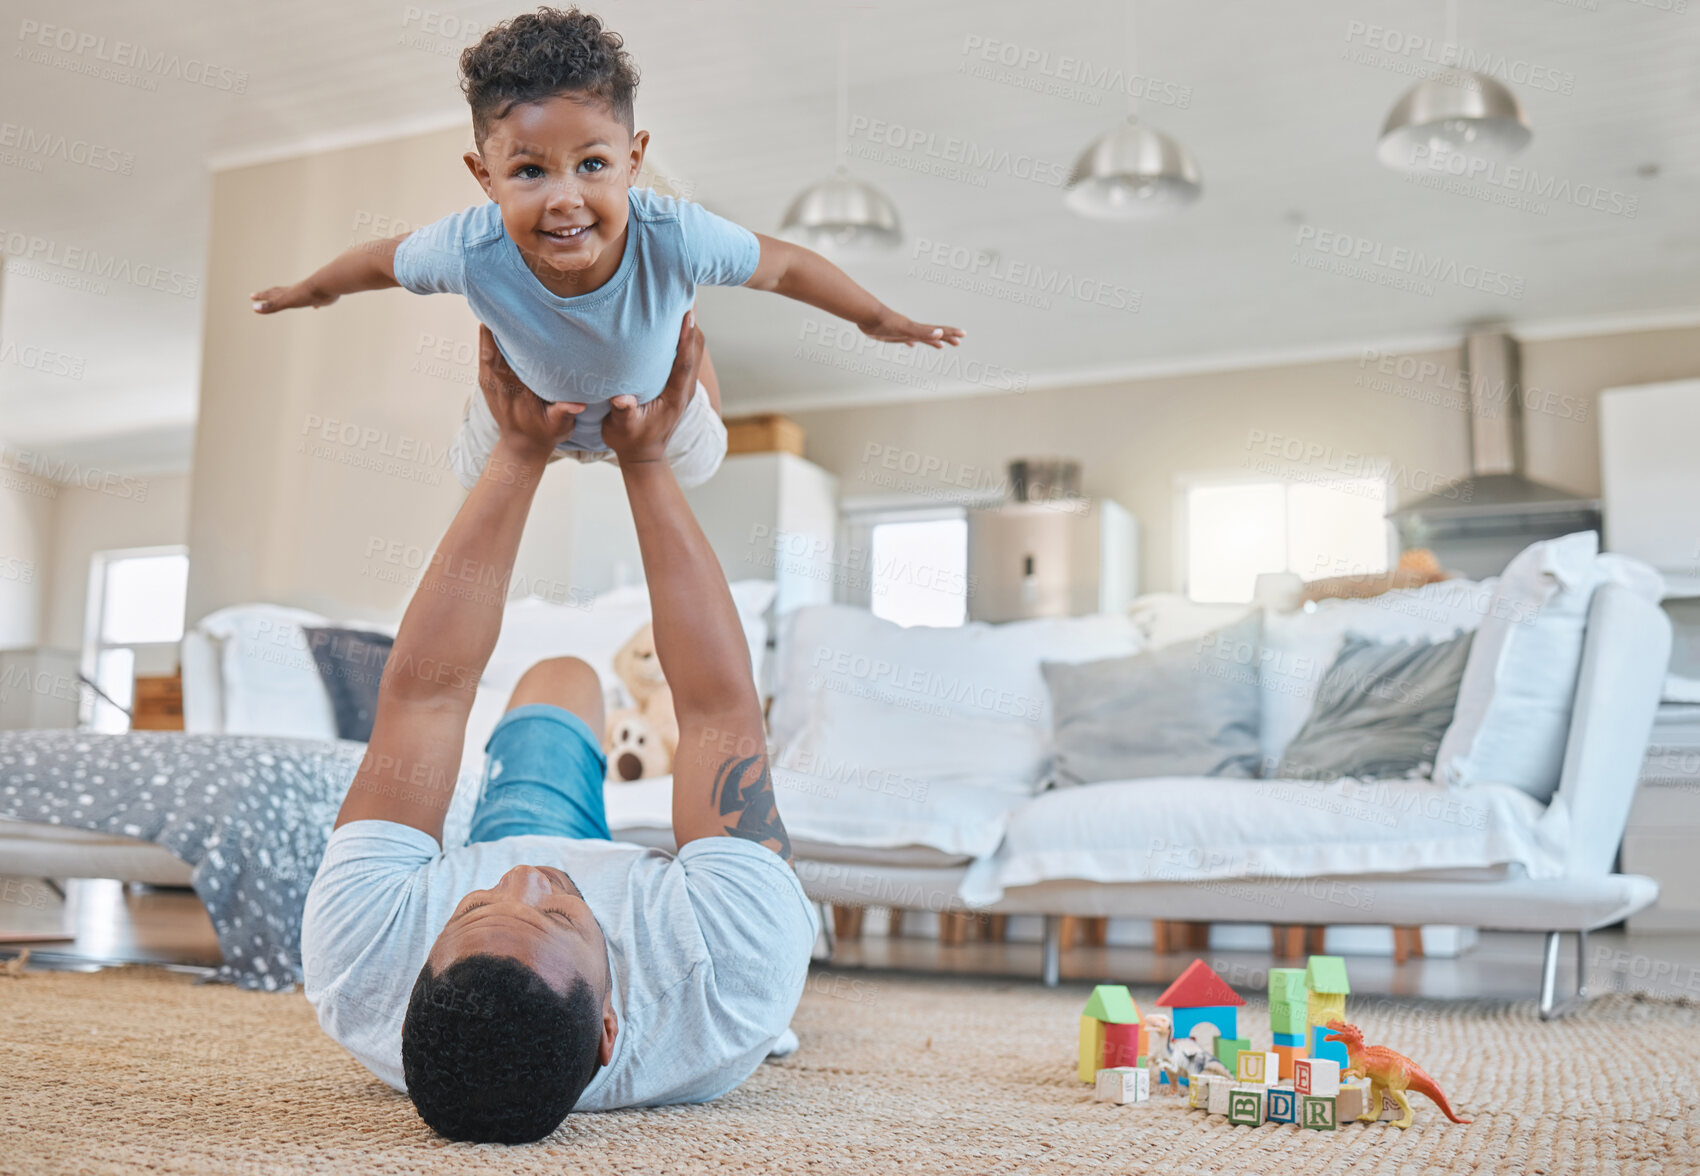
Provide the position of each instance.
(1389, 1072)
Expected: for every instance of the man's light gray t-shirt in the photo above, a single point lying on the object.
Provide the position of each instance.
(708, 949)
(617, 339)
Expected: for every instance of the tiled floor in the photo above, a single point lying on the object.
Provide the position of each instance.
(113, 923)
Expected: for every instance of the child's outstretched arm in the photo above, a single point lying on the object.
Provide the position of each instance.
(368, 266)
(805, 275)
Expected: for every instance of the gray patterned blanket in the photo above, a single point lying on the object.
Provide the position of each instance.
(249, 813)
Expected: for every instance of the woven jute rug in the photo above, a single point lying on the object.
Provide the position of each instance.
(140, 1070)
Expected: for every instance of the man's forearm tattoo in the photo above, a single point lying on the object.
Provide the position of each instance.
(743, 788)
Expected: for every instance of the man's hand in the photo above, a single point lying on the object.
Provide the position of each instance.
(530, 425)
(276, 298)
(890, 327)
(638, 433)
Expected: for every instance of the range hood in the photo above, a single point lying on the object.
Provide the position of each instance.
(1476, 524)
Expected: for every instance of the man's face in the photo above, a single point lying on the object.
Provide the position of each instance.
(535, 915)
(560, 169)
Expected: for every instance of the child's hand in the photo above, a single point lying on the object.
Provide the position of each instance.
(890, 327)
(276, 298)
(526, 421)
(638, 433)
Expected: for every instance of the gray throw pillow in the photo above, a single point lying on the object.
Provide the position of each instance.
(1191, 709)
(1380, 712)
(351, 664)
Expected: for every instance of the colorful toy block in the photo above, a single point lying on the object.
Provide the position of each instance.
(1245, 1106)
(1290, 1019)
(1255, 1066)
(1287, 986)
(1228, 1051)
(1282, 1105)
(1111, 1005)
(1295, 1040)
(1091, 1048)
(1288, 1055)
(1123, 1084)
(1216, 1101)
(1199, 995)
(1352, 1099)
(1317, 1114)
(1121, 1045)
(1325, 978)
(1332, 1050)
(1198, 1095)
(1319, 1077)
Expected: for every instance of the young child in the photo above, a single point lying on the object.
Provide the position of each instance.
(582, 278)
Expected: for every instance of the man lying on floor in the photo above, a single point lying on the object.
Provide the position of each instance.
(542, 967)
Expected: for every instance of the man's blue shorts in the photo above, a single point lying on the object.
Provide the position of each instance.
(543, 773)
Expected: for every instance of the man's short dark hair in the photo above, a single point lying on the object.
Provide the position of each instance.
(537, 55)
(492, 1054)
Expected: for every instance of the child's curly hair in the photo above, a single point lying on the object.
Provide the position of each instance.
(539, 54)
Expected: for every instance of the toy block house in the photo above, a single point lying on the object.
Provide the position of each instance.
(1109, 1031)
(1200, 996)
(1289, 1021)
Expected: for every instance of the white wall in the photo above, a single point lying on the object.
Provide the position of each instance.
(1134, 438)
(26, 555)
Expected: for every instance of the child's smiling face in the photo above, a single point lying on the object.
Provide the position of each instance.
(560, 169)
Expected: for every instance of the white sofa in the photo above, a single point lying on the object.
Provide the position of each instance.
(909, 766)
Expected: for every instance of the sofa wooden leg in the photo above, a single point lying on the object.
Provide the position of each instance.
(1287, 941)
(1198, 936)
(1097, 931)
(997, 928)
(1068, 929)
(847, 922)
(1407, 942)
(894, 927)
(1316, 940)
(1160, 936)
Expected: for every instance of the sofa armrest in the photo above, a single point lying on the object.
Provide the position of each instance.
(1624, 660)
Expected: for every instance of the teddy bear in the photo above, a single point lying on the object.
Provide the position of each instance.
(641, 739)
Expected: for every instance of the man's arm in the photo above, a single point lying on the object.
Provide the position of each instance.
(451, 624)
(803, 274)
(369, 266)
(721, 783)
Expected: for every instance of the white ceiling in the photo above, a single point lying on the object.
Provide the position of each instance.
(739, 95)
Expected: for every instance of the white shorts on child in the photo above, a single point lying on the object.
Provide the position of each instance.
(695, 450)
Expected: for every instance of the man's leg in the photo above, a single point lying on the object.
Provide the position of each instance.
(543, 765)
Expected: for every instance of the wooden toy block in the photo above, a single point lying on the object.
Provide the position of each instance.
(1123, 1084)
(1324, 1007)
(1112, 1003)
(1282, 1105)
(1217, 1097)
(1333, 1050)
(1121, 1045)
(1289, 1018)
(1352, 1099)
(1318, 1077)
(1327, 975)
(1316, 1113)
(1245, 1106)
(1287, 986)
(1224, 1018)
(1296, 1040)
(1228, 1051)
(1199, 994)
(1256, 1066)
(1091, 1048)
(1288, 1056)
(1198, 1095)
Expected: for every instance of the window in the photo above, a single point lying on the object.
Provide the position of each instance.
(1234, 530)
(918, 571)
(136, 599)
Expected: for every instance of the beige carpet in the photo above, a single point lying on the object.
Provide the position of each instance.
(144, 1071)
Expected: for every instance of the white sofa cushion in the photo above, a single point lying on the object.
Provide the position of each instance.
(1299, 647)
(875, 821)
(1514, 703)
(1190, 829)
(966, 705)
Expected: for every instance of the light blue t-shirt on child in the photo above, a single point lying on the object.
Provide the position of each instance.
(617, 339)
